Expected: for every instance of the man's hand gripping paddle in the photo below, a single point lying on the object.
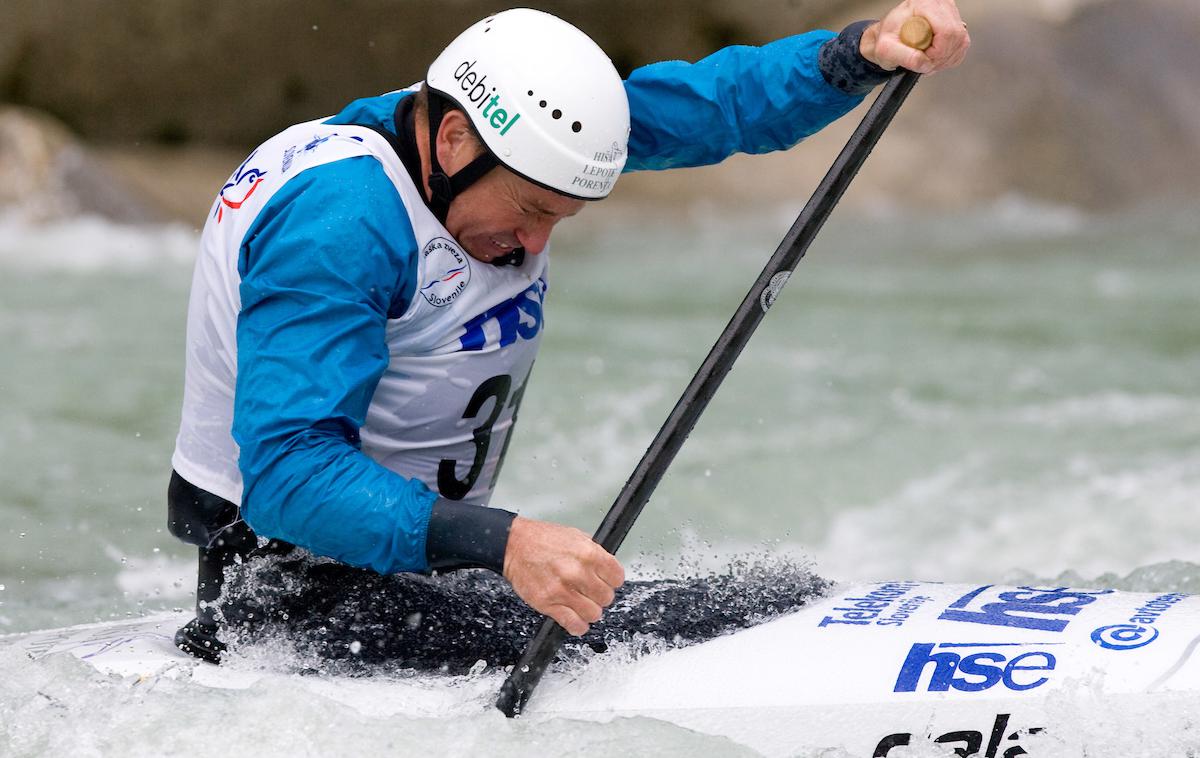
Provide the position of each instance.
(519, 685)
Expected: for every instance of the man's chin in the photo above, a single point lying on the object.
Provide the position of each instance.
(484, 251)
(487, 256)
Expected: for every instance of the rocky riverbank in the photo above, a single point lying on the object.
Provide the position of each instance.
(1085, 103)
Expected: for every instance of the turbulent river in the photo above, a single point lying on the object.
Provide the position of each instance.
(1007, 395)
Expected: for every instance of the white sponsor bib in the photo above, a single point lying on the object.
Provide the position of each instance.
(460, 354)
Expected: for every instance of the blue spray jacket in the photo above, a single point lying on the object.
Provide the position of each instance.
(296, 419)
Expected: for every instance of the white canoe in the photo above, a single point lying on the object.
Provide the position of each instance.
(869, 669)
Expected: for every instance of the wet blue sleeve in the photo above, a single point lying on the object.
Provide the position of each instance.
(738, 100)
(322, 266)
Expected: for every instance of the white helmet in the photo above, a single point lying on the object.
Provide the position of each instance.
(544, 98)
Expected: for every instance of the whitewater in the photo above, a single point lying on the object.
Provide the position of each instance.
(1006, 395)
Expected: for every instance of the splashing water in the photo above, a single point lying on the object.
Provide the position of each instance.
(326, 612)
(1001, 396)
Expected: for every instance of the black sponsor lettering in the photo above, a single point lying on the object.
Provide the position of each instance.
(967, 742)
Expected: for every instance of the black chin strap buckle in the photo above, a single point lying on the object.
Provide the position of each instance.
(515, 258)
(442, 191)
(439, 185)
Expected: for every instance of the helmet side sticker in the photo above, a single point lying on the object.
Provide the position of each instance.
(598, 176)
(476, 87)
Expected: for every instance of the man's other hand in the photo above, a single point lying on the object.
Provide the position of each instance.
(560, 572)
(881, 43)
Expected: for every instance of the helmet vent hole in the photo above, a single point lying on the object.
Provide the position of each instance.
(542, 104)
(531, 93)
(556, 113)
(575, 127)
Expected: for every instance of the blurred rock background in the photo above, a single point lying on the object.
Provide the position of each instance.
(139, 110)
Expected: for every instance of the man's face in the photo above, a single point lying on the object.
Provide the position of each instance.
(502, 211)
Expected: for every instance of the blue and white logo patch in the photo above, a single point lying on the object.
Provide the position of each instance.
(447, 272)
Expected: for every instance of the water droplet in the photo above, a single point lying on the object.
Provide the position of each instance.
(21, 536)
(157, 550)
(708, 472)
(315, 27)
(355, 647)
(1, 588)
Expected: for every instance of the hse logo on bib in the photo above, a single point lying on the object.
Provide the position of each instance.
(447, 272)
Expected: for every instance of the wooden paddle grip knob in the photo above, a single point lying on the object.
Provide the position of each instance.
(917, 33)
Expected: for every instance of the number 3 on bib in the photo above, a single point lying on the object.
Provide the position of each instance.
(497, 388)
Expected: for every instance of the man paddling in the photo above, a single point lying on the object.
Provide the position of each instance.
(367, 304)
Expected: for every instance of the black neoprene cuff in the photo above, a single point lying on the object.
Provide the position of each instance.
(843, 66)
(462, 535)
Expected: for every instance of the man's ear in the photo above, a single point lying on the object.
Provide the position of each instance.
(456, 143)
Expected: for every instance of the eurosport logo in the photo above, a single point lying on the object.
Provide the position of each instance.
(968, 741)
(447, 272)
(1043, 609)
(239, 188)
(975, 666)
(1140, 631)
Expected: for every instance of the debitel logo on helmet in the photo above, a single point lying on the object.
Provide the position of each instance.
(477, 93)
(528, 66)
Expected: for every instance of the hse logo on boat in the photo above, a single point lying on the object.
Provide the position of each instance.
(1140, 631)
(239, 188)
(503, 324)
(975, 666)
(968, 741)
(886, 605)
(1041, 609)
(477, 92)
(447, 272)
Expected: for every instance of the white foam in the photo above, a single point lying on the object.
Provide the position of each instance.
(156, 578)
(87, 244)
(1087, 517)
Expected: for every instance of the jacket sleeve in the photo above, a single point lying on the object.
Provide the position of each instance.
(738, 100)
(322, 266)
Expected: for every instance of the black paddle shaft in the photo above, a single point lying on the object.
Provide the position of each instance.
(525, 676)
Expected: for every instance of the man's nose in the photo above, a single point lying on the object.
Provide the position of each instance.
(535, 236)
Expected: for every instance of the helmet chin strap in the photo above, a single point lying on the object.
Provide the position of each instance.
(443, 187)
